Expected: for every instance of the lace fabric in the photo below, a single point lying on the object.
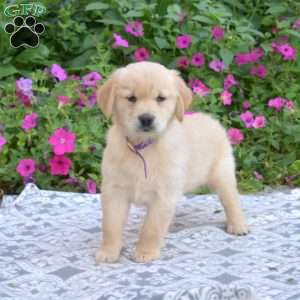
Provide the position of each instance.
(49, 240)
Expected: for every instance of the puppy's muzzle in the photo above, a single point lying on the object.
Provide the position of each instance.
(146, 122)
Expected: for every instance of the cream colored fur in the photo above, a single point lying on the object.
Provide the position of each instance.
(189, 151)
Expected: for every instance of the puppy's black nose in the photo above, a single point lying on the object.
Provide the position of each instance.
(146, 120)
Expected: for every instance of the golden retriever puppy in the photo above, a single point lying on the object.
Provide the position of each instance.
(155, 153)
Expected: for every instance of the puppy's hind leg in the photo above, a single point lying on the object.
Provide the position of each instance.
(223, 181)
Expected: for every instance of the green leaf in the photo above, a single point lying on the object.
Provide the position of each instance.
(244, 29)
(295, 167)
(173, 12)
(134, 14)
(203, 19)
(277, 9)
(266, 46)
(161, 43)
(96, 6)
(110, 22)
(227, 56)
(81, 60)
(250, 185)
(235, 3)
(267, 21)
(7, 70)
(291, 32)
(284, 24)
(35, 55)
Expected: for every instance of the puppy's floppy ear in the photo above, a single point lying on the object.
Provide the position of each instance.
(185, 96)
(106, 95)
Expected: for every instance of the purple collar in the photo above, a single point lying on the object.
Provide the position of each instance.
(136, 148)
(140, 146)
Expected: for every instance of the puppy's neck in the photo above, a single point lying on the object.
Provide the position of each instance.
(137, 138)
(141, 140)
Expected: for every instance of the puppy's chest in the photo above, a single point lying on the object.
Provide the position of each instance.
(140, 177)
(146, 177)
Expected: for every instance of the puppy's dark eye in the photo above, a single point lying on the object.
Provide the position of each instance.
(160, 98)
(132, 98)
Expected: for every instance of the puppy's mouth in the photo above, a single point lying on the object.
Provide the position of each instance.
(146, 129)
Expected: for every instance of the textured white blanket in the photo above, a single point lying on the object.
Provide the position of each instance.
(48, 241)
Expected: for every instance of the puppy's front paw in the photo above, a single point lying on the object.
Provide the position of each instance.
(145, 255)
(237, 227)
(107, 255)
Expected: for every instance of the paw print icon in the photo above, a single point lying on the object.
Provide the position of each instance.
(24, 32)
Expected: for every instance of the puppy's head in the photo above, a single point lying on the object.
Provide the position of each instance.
(143, 98)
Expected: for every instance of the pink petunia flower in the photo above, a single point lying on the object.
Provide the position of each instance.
(60, 165)
(29, 121)
(119, 41)
(277, 103)
(274, 45)
(226, 97)
(259, 122)
(91, 78)
(246, 105)
(296, 24)
(183, 41)
(63, 100)
(258, 176)
(256, 54)
(141, 54)
(58, 72)
(182, 62)
(24, 99)
(193, 82)
(217, 65)
(229, 81)
(198, 87)
(247, 118)
(287, 51)
(242, 58)
(92, 100)
(198, 59)
(62, 141)
(283, 39)
(91, 186)
(235, 136)
(135, 28)
(26, 167)
(217, 33)
(201, 89)
(259, 71)
(245, 58)
(24, 90)
(289, 104)
(80, 102)
(24, 85)
(2, 142)
(72, 181)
